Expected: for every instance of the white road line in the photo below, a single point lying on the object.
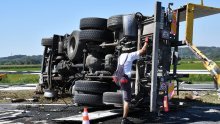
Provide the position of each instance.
(2, 113)
(11, 114)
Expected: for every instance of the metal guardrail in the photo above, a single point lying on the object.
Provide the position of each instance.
(20, 72)
(197, 87)
(178, 72)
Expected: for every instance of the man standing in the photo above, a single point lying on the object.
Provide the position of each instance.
(127, 59)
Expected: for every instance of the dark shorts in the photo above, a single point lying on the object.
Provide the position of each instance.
(126, 90)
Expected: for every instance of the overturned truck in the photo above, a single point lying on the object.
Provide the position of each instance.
(82, 63)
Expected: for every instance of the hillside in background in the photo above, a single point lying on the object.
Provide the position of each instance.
(184, 52)
(21, 60)
(211, 52)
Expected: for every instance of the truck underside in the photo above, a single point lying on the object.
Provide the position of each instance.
(82, 63)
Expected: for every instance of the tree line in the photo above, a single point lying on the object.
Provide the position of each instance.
(21, 60)
(211, 52)
(184, 52)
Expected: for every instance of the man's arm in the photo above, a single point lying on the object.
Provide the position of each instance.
(143, 50)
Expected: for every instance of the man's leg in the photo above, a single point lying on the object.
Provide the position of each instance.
(126, 102)
(126, 109)
(126, 90)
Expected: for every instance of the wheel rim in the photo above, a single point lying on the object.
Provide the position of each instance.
(72, 44)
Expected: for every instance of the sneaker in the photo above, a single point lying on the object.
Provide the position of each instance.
(126, 121)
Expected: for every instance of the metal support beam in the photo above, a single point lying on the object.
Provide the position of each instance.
(176, 51)
(153, 94)
(137, 85)
(189, 23)
(202, 2)
(43, 64)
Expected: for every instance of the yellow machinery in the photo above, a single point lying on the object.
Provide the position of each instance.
(2, 76)
(189, 13)
(210, 65)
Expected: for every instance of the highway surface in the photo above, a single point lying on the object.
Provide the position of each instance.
(38, 113)
(41, 114)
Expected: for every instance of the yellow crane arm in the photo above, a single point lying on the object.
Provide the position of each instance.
(2, 76)
(188, 13)
(210, 65)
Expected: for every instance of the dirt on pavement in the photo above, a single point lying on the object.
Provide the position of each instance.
(188, 107)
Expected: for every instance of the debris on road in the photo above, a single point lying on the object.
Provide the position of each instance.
(192, 97)
(17, 100)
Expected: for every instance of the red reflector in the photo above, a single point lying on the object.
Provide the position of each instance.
(123, 80)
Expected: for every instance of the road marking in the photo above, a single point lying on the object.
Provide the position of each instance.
(10, 113)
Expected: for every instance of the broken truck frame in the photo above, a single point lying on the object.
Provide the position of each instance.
(62, 69)
(186, 13)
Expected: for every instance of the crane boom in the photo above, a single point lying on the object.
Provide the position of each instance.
(210, 65)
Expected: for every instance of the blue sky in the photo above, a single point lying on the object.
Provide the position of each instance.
(24, 22)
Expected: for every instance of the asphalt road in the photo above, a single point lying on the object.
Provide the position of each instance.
(189, 112)
(18, 87)
(45, 114)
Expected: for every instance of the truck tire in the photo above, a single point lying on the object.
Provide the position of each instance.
(74, 47)
(96, 36)
(115, 22)
(73, 91)
(91, 86)
(88, 99)
(114, 98)
(93, 23)
(47, 42)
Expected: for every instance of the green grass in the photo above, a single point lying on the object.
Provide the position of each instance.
(20, 79)
(30, 78)
(199, 78)
(20, 67)
(192, 65)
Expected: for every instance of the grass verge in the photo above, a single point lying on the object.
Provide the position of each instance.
(205, 97)
(192, 65)
(7, 96)
(199, 78)
(20, 79)
(32, 78)
(20, 67)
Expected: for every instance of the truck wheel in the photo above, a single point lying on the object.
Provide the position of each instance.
(115, 22)
(73, 91)
(96, 36)
(88, 99)
(114, 98)
(93, 23)
(91, 86)
(74, 47)
(47, 42)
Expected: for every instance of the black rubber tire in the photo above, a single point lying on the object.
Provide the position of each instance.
(96, 36)
(88, 99)
(115, 22)
(93, 23)
(74, 47)
(112, 98)
(47, 42)
(91, 86)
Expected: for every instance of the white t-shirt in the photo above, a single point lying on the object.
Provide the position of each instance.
(128, 64)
